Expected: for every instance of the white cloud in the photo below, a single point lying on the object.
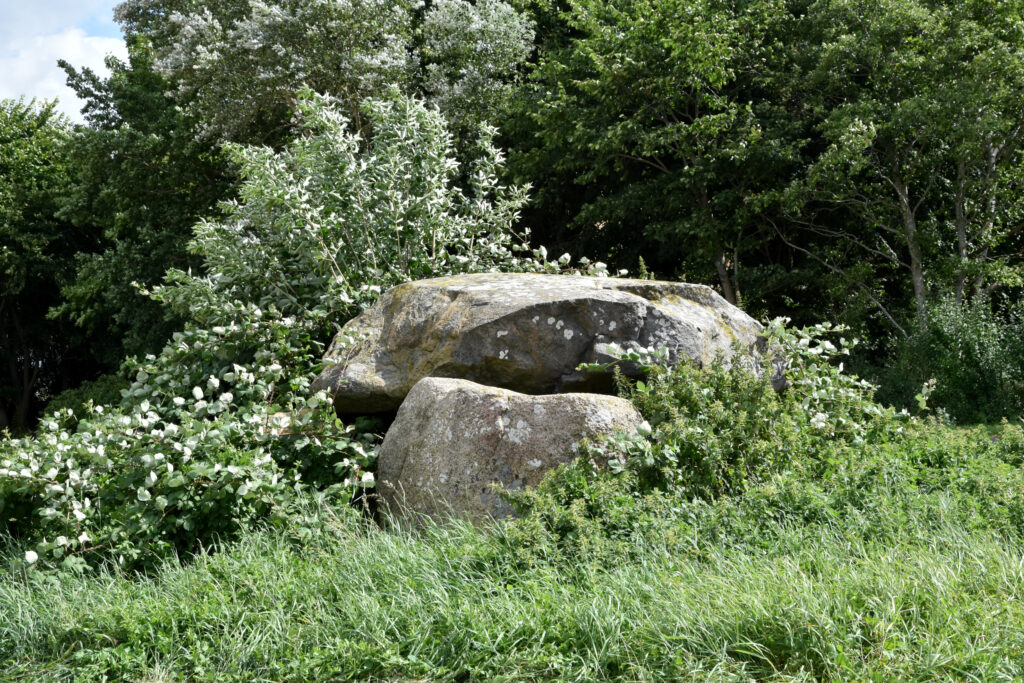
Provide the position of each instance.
(21, 18)
(34, 35)
(29, 65)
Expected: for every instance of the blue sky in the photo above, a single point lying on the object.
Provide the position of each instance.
(34, 34)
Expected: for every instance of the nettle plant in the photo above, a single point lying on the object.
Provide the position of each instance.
(220, 427)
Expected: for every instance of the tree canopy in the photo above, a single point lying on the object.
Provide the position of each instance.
(842, 160)
(237, 66)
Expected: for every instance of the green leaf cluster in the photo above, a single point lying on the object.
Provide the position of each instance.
(220, 427)
(39, 357)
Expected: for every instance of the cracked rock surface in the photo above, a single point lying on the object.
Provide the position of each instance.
(453, 438)
(523, 332)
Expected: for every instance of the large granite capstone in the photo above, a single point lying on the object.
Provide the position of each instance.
(523, 332)
(452, 440)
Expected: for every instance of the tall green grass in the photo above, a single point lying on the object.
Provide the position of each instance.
(441, 604)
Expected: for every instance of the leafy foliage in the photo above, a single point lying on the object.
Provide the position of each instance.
(718, 431)
(238, 66)
(104, 390)
(918, 104)
(470, 51)
(238, 63)
(970, 353)
(321, 227)
(140, 181)
(855, 161)
(730, 463)
(39, 357)
(640, 131)
(220, 427)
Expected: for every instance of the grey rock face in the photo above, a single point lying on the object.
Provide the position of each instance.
(452, 439)
(523, 332)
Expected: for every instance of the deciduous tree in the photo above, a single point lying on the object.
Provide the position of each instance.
(919, 104)
(139, 181)
(39, 356)
(646, 105)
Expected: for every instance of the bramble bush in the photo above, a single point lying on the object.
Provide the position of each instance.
(220, 427)
(714, 430)
(719, 429)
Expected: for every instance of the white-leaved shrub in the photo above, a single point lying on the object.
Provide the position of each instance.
(325, 224)
(237, 65)
(471, 51)
(220, 427)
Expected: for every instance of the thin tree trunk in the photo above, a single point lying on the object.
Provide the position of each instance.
(21, 411)
(728, 291)
(913, 246)
(25, 375)
(736, 275)
(723, 276)
(979, 280)
(961, 232)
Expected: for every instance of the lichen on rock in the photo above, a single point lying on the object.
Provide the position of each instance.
(452, 440)
(524, 332)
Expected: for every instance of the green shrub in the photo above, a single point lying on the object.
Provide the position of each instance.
(722, 428)
(729, 462)
(220, 428)
(973, 352)
(595, 521)
(103, 391)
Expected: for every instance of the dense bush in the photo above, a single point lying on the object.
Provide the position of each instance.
(722, 428)
(220, 427)
(972, 355)
(729, 461)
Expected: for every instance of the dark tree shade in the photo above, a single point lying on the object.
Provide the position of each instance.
(39, 356)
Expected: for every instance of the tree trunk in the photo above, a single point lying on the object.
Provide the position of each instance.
(961, 232)
(913, 246)
(22, 373)
(728, 291)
